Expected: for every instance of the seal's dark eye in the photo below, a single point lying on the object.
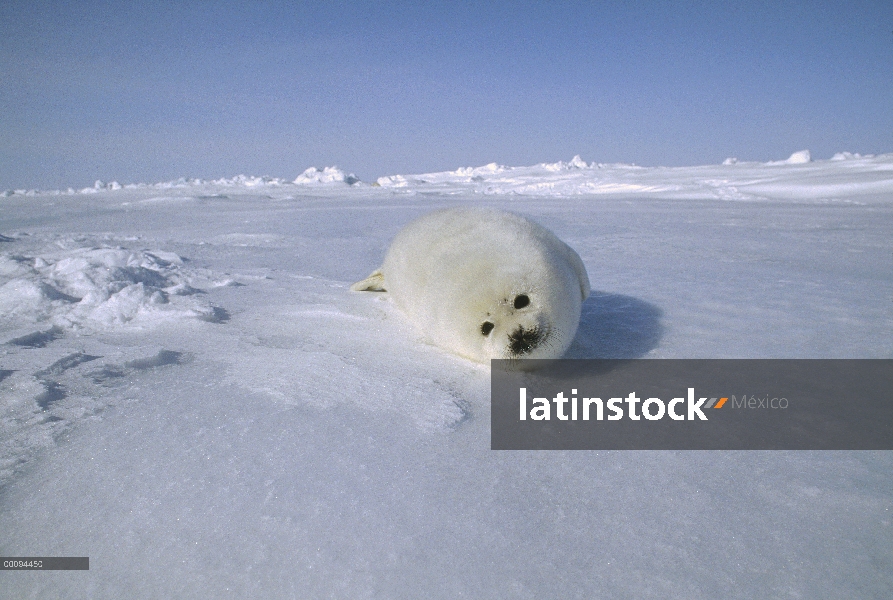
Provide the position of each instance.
(487, 327)
(521, 300)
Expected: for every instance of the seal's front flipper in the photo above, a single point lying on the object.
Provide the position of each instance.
(373, 283)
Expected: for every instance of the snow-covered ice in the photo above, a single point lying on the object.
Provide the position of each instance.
(190, 395)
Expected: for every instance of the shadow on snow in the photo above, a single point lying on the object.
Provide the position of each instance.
(616, 326)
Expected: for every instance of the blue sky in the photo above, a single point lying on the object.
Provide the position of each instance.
(151, 91)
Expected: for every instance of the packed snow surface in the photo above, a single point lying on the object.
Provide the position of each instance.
(190, 395)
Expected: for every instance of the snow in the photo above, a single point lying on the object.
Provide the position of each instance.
(192, 397)
(89, 288)
(797, 158)
(315, 175)
(733, 180)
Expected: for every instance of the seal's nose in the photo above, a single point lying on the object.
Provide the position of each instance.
(523, 341)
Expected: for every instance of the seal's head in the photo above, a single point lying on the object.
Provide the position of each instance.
(513, 315)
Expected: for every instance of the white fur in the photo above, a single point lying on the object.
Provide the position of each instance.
(453, 270)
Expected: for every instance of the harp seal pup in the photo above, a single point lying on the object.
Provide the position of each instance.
(484, 284)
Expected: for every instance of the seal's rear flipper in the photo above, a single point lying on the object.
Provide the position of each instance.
(373, 283)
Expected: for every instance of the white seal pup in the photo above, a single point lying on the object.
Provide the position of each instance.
(485, 283)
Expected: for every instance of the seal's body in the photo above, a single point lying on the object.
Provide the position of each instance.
(485, 283)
